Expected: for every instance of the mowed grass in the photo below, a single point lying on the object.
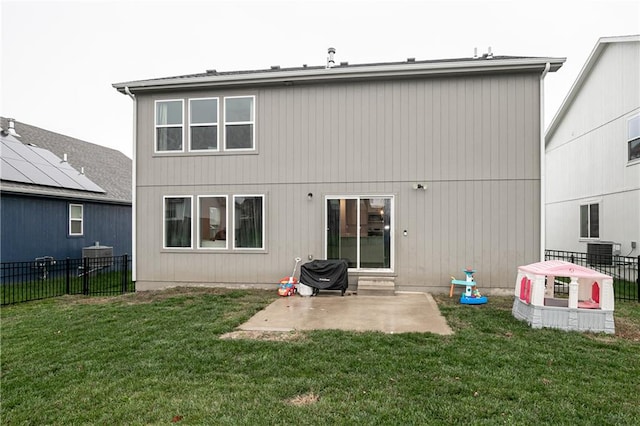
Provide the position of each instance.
(158, 358)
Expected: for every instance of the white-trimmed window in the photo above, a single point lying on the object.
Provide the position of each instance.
(169, 125)
(239, 123)
(590, 220)
(177, 222)
(212, 222)
(76, 219)
(248, 222)
(633, 138)
(203, 124)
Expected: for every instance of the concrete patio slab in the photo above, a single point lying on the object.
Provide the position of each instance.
(402, 313)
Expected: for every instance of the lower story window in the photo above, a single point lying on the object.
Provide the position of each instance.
(359, 229)
(590, 221)
(248, 221)
(76, 219)
(177, 222)
(212, 221)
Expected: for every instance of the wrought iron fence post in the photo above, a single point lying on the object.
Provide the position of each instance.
(67, 273)
(125, 264)
(638, 278)
(85, 276)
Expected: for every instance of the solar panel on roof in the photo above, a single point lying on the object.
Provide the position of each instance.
(7, 152)
(8, 172)
(44, 156)
(30, 164)
(60, 176)
(24, 151)
(87, 183)
(32, 173)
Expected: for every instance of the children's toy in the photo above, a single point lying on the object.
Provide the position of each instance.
(287, 285)
(590, 304)
(471, 294)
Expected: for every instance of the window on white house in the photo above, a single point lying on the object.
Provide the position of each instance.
(248, 221)
(212, 222)
(203, 124)
(590, 221)
(169, 117)
(633, 126)
(76, 219)
(177, 222)
(239, 123)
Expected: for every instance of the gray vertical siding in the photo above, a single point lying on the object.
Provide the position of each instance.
(473, 140)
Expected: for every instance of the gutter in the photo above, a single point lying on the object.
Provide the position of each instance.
(543, 168)
(26, 192)
(133, 187)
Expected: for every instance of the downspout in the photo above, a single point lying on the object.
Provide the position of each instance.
(133, 187)
(543, 168)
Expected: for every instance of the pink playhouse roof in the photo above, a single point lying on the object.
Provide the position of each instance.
(560, 268)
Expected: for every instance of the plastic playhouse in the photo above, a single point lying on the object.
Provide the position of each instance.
(471, 295)
(589, 306)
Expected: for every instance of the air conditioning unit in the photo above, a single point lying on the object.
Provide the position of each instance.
(99, 256)
(600, 253)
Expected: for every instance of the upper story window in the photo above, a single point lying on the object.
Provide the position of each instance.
(203, 124)
(169, 118)
(76, 219)
(590, 221)
(239, 123)
(206, 120)
(633, 126)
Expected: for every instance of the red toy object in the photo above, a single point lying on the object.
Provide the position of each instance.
(288, 286)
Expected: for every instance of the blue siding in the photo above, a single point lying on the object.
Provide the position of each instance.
(37, 226)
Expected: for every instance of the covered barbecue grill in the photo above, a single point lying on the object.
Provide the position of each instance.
(325, 275)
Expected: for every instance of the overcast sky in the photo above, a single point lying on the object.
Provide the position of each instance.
(59, 58)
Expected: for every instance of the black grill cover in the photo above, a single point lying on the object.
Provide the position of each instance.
(325, 274)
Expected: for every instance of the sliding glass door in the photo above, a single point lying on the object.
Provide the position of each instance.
(359, 229)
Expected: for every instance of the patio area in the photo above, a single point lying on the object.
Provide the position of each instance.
(402, 313)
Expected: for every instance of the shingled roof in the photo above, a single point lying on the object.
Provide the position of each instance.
(108, 168)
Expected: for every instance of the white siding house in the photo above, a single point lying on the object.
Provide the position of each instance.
(593, 154)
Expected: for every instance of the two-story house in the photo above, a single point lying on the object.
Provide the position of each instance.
(410, 170)
(593, 156)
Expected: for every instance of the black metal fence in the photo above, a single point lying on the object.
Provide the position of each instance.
(623, 270)
(47, 277)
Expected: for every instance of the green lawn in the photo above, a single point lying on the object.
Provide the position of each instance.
(157, 358)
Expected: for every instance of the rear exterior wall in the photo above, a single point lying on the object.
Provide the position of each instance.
(474, 141)
(34, 226)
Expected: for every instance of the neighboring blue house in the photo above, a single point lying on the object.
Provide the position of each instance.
(59, 194)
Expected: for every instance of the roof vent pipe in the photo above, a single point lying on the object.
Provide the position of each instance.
(330, 61)
(82, 170)
(489, 54)
(475, 53)
(12, 129)
(64, 158)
